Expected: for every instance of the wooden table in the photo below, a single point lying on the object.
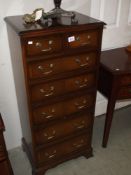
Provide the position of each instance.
(114, 82)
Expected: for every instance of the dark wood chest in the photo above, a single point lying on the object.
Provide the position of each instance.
(60, 67)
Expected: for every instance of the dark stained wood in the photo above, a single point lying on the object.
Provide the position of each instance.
(18, 24)
(5, 166)
(114, 82)
(61, 79)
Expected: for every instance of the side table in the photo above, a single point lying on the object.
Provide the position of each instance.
(5, 166)
(114, 82)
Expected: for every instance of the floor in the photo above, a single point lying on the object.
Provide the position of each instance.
(114, 160)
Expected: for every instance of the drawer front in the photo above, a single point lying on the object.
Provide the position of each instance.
(125, 80)
(124, 93)
(43, 45)
(44, 91)
(87, 39)
(54, 111)
(60, 65)
(63, 149)
(64, 128)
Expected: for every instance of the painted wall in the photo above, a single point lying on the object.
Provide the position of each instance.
(8, 98)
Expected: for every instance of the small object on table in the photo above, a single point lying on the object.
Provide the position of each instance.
(5, 166)
(35, 16)
(114, 82)
(128, 50)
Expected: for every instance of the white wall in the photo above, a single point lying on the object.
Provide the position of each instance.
(8, 100)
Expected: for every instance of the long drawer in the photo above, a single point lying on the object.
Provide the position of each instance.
(47, 90)
(63, 128)
(63, 149)
(54, 111)
(46, 68)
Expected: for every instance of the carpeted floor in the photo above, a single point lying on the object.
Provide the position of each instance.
(114, 160)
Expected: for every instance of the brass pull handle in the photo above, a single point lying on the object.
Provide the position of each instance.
(50, 137)
(52, 155)
(80, 126)
(49, 94)
(48, 116)
(81, 106)
(46, 50)
(81, 85)
(79, 145)
(41, 68)
(48, 72)
(38, 44)
(82, 64)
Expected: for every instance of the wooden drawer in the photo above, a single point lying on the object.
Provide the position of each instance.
(124, 93)
(47, 90)
(63, 149)
(43, 45)
(125, 80)
(86, 38)
(54, 111)
(64, 128)
(56, 66)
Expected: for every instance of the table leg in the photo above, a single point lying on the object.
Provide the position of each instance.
(108, 121)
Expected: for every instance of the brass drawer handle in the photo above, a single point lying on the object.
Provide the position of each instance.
(50, 93)
(48, 116)
(81, 106)
(78, 60)
(46, 50)
(81, 85)
(52, 155)
(38, 44)
(80, 126)
(41, 68)
(80, 144)
(50, 137)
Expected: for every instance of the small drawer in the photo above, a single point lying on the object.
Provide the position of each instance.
(43, 45)
(54, 111)
(56, 66)
(47, 90)
(60, 130)
(63, 149)
(125, 80)
(124, 93)
(86, 38)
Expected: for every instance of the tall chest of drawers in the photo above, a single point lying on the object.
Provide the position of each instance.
(61, 64)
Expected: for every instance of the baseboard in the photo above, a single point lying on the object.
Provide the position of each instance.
(101, 106)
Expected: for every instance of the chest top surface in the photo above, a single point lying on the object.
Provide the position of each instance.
(116, 61)
(18, 24)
